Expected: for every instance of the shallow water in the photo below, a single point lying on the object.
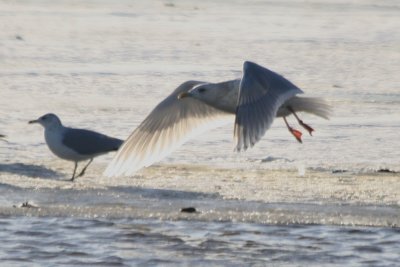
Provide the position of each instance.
(103, 65)
(44, 241)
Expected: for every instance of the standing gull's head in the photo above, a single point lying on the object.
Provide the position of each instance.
(48, 121)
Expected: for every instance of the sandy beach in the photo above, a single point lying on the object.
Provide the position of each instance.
(250, 195)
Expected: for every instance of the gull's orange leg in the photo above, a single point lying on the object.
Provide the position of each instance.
(297, 134)
(305, 126)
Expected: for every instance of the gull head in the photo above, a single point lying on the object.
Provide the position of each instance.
(203, 92)
(48, 121)
(222, 96)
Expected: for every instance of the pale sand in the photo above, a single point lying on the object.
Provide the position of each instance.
(266, 196)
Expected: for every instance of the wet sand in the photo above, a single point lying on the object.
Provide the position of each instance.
(248, 195)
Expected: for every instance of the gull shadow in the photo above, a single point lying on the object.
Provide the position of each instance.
(271, 159)
(115, 196)
(163, 193)
(8, 187)
(30, 170)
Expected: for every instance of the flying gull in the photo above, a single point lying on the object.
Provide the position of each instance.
(75, 144)
(195, 106)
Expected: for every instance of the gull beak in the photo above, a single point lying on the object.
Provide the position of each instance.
(33, 121)
(183, 95)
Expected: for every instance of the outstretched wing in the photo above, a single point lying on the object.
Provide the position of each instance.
(169, 125)
(261, 93)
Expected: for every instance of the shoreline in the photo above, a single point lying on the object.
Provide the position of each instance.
(219, 194)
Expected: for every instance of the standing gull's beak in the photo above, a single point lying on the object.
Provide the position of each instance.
(33, 121)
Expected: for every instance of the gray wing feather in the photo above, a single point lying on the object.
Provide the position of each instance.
(172, 122)
(88, 142)
(261, 93)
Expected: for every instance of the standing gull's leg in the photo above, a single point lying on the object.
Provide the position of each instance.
(84, 168)
(73, 175)
(305, 126)
(297, 134)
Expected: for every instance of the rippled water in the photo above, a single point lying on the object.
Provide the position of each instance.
(37, 241)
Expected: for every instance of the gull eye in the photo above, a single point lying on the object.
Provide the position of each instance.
(202, 90)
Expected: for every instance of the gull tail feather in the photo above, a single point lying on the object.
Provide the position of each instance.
(313, 105)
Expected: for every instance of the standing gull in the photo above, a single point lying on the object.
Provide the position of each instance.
(75, 144)
(255, 100)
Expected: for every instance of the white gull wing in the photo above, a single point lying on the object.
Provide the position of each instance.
(171, 123)
(261, 93)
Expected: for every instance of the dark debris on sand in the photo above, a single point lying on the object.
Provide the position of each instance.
(189, 210)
